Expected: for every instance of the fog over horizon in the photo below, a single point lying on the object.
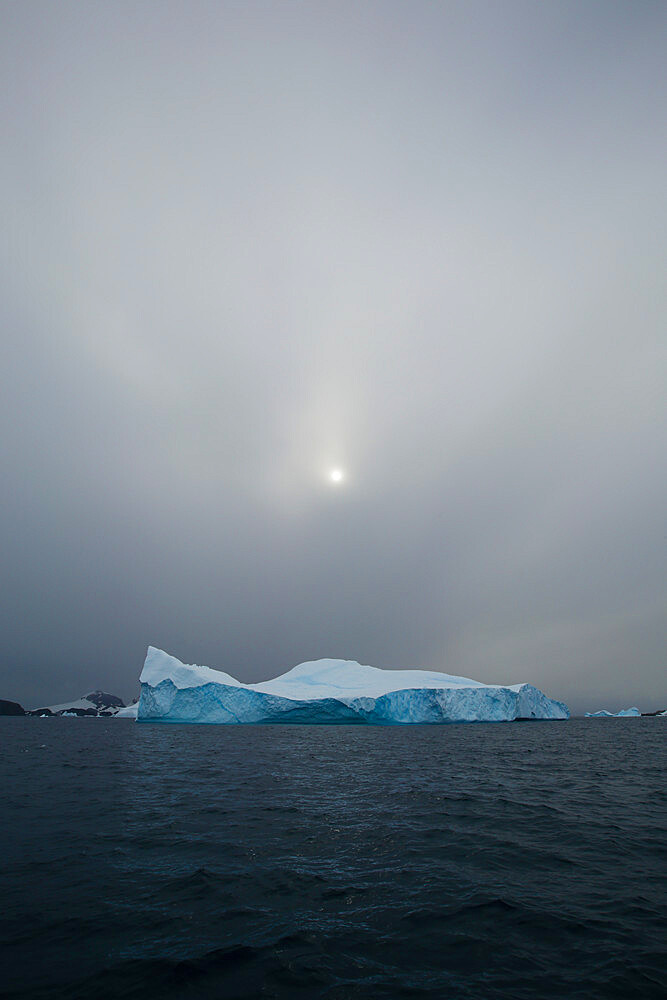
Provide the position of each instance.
(248, 243)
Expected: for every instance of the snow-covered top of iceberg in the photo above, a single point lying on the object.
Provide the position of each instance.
(312, 681)
(160, 666)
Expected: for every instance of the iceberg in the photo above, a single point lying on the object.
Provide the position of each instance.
(331, 692)
(624, 713)
(129, 712)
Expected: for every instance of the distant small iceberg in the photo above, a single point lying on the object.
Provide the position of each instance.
(130, 712)
(624, 713)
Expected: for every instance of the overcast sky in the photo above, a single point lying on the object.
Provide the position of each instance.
(245, 243)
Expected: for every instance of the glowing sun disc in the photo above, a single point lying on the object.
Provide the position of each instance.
(336, 475)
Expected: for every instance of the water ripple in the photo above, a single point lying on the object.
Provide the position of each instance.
(521, 862)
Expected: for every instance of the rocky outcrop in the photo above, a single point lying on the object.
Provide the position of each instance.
(104, 701)
(11, 708)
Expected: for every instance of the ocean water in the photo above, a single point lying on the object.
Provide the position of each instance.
(524, 860)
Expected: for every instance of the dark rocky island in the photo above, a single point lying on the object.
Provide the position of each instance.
(11, 708)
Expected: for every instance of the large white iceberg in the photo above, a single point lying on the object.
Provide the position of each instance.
(331, 691)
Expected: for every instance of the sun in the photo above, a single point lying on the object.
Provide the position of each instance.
(336, 475)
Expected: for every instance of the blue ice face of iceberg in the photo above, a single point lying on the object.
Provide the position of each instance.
(329, 692)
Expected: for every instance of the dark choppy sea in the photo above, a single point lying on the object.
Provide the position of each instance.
(474, 861)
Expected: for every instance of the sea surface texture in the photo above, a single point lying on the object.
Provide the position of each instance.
(521, 860)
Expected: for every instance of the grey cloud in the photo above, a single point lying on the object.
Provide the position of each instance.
(249, 242)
